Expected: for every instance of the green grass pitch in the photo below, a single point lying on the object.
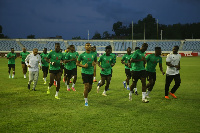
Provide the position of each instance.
(22, 110)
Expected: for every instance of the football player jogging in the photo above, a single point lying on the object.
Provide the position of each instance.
(45, 64)
(139, 72)
(71, 68)
(93, 50)
(32, 61)
(11, 62)
(114, 56)
(105, 62)
(124, 61)
(23, 55)
(172, 72)
(152, 60)
(129, 65)
(55, 57)
(88, 61)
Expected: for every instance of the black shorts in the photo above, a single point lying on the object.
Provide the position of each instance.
(54, 71)
(138, 75)
(102, 75)
(45, 69)
(87, 78)
(151, 75)
(128, 73)
(62, 66)
(11, 66)
(70, 73)
(23, 62)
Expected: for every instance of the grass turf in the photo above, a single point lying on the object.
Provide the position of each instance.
(22, 110)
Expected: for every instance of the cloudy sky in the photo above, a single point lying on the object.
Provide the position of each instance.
(70, 18)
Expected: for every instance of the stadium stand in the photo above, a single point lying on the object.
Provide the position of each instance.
(6, 45)
(30, 45)
(165, 45)
(191, 46)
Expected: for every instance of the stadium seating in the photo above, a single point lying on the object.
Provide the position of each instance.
(6, 45)
(191, 46)
(165, 45)
(30, 45)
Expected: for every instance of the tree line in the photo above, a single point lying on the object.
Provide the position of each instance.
(152, 30)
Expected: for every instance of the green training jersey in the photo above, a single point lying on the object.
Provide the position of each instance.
(152, 61)
(55, 57)
(23, 55)
(12, 60)
(43, 59)
(125, 58)
(106, 62)
(88, 58)
(72, 64)
(114, 56)
(137, 66)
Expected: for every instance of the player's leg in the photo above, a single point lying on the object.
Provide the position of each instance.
(24, 69)
(13, 68)
(101, 83)
(168, 81)
(177, 80)
(144, 87)
(52, 77)
(95, 74)
(58, 79)
(69, 75)
(9, 69)
(30, 79)
(107, 78)
(74, 73)
(35, 79)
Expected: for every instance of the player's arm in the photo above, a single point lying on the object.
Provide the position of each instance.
(80, 65)
(20, 55)
(27, 60)
(98, 62)
(161, 68)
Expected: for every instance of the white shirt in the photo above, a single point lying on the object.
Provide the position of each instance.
(174, 59)
(33, 61)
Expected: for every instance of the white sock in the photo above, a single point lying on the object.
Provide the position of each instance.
(13, 75)
(94, 78)
(124, 81)
(143, 95)
(57, 93)
(127, 86)
(67, 86)
(73, 85)
(45, 79)
(104, 91)
(49, 88)
(148, 92)
(66, 83)
(130, 93)
(99, 81)
(135, 89)
(56, 82)
(73, 77)
(86, 100)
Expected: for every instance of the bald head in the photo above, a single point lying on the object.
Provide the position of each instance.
(35, 51)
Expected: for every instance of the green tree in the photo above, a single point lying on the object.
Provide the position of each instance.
(76, 38)
(106, 35)
(31, 36)
(97, 35)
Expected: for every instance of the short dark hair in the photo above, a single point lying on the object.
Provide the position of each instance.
(108, 47)
(57, 43)
(157, 48)
(45, 48)
(11, 48)
(177, 47)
